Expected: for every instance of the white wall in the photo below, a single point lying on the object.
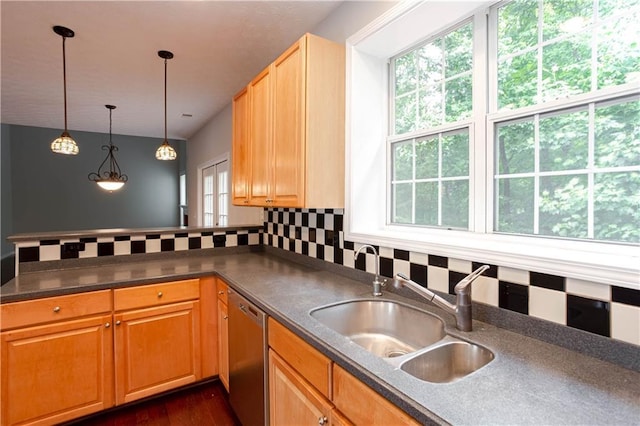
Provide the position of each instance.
(213, 140)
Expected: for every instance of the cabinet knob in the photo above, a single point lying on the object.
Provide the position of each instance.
(221, 292)
(246, 201)
(107, 325)
(323, 421)
(118, 322)
(56, 309)
(159, 294)
(225, 317)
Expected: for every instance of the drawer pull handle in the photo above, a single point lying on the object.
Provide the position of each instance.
(159, 294)
(323, 420)
(118, 322)
(56, 309)
(107, 325)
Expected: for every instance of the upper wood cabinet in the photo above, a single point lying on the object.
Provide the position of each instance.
(295, 130)
(240, 148)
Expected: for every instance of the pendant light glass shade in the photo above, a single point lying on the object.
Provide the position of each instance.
(65, 143)
(112, 179)
(165, 151)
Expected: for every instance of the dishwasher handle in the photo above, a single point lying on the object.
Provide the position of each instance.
(247, 308)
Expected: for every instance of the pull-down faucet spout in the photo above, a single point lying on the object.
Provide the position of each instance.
(377, 284)
(461, 310)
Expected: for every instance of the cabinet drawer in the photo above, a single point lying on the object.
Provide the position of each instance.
(362, 405)
(31, 312)
(311, 364)
(155, 294)
(222, 288)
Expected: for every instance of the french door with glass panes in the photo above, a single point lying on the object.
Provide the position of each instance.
(215, 194)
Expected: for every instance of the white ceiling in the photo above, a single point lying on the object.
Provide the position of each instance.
(218, 46)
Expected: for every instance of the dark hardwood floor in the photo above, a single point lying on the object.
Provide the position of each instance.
(204, 404)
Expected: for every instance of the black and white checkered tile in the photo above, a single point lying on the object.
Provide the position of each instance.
(47, 250)
(601, 309)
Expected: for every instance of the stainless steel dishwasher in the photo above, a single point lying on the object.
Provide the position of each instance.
(248, 368)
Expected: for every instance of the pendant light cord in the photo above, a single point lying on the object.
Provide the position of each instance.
(64, 79)
(165, 100)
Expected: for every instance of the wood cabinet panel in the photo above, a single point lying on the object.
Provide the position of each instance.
(223, 345)
(155, 294)
(209, 326)
(57, 372)
(240, 148)
(362, 405)
(32, 312)
(311, 364)
(156, 349)
(260, 134)
(293, 401)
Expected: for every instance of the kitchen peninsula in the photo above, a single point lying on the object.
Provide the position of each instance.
(528, 382)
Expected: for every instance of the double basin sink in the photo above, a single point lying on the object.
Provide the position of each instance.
(413, 340)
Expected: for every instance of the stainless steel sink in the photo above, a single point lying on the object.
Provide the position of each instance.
(448, 362)
(385, 328)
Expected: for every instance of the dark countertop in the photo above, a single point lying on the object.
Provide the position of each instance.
(528, 382)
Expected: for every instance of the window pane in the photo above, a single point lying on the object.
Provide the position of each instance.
(563, 206)
(431, 105)
(517, 81)
(402, 202)
(619, 51)
(617, 207)
(405, 111)
(406, 73)
(458, 105)
(607, 8)
(517, 26)
(427, 203)
(427, 158)
(431, 63)
(455, 155)
(617, 135)
(565, 16)
(566, 67)
(455, 204)
(515, 150)
(515, 208)
(564, 141)
(403, 161)
(458, 51)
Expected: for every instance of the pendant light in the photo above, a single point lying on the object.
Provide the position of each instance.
(112, 179)
(165, 151)
(65, 143)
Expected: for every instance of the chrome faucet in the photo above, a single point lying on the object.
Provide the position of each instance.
(377, 284)
(461, 310)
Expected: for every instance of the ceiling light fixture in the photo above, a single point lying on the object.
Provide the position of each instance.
(112, 179)
(65, 143)
(165, 151)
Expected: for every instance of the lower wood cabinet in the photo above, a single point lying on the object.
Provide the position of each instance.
(294, 401)
(306, 388)
(223, 333)
(69, 356)
(157, 349)
(59, 370)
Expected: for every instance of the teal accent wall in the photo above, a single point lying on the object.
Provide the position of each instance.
(51, 192)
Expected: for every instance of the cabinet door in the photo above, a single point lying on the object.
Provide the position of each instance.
(223, 343)
(260, 151)
(240, 154)
(293, 401)
(56, 372)
(156, 349)
(209, 326)
(289, 126)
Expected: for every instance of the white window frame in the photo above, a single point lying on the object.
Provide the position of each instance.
(368, 161)
(200, 168)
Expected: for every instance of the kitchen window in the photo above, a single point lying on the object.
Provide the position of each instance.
(499, 132)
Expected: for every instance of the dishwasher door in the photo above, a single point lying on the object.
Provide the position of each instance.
(248, 368)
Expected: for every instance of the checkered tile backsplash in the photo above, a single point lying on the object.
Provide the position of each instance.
(609, 311)
(74, 248)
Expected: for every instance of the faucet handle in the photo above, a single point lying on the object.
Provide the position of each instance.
(466, 281)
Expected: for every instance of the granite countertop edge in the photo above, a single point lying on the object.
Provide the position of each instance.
(528, 382)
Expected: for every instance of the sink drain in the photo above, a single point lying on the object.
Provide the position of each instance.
(395, 353)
